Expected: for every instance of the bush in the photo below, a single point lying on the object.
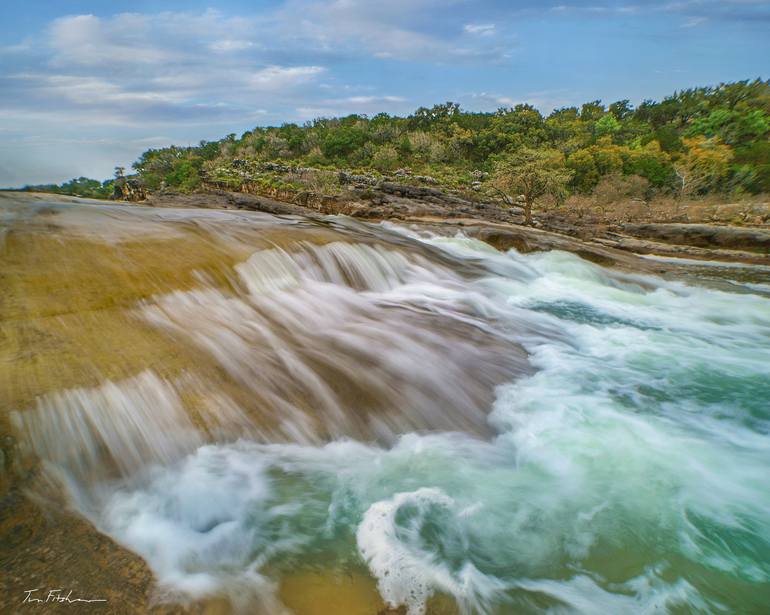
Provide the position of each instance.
(584, 168)
(342, 142)
(185, 175)
(385, 159)
(616, 187)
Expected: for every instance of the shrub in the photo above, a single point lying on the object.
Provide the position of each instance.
(616, 187)
(385, 159)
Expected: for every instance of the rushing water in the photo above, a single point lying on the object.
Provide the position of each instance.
(280, 404)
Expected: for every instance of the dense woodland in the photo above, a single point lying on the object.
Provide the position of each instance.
(709, 140)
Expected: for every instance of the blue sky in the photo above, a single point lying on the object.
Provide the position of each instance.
(88, 85)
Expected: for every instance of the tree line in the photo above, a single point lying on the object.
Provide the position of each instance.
(699, 141)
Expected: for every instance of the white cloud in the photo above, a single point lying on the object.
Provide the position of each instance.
(362, 104)
(149, 68)
(280, 77)
(396, 30)
(230, 45)
(545, 101)
(90, 41)
(101, 84)
(134, 69)
(368, 100)
(480, 29)
(96, 91)
(488, 100)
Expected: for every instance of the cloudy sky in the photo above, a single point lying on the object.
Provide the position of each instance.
(86, 85)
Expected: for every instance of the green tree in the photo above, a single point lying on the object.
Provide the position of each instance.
(184, 174)
(608, 157)
(592, 111)
(532, 174)
(705, 167)
(621, 109)
(651, 162)
(753, 165)
(584, 173)
(607, 125)
(731, 126)
(343, 142)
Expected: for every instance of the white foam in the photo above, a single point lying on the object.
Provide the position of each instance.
(407, 573)
(643, 595)
(197, 525)
(118, 427)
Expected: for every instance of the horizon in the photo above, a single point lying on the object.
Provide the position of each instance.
(89, 88)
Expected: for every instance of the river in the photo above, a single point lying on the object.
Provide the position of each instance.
(319, 416)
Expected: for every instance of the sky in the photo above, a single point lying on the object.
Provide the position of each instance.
(87, 85)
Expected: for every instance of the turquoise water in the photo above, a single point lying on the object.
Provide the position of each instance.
(626, 471)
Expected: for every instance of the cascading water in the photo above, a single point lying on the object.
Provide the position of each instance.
(467, 430)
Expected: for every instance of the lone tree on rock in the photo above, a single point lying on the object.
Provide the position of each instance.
(532, 174)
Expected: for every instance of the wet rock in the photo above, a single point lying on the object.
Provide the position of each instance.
(505, 240)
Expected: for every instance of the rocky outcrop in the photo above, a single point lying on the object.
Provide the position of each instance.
(527, 239)
(704, 236)
(346, 178)
(221, 199)
(645, 246)
(363, 196)
(129, 189)
(369, 198)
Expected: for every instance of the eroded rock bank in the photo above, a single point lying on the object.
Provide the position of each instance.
(704, 236)
(595, 241)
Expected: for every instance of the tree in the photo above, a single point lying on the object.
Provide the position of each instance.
(592, 111)
(607, 125)
(342, 142)
(705, 166)
(584, 173)
(731, 126)
(532, 174)
(425, 118)
(650, 162)
(608, 157)
(621, 109)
